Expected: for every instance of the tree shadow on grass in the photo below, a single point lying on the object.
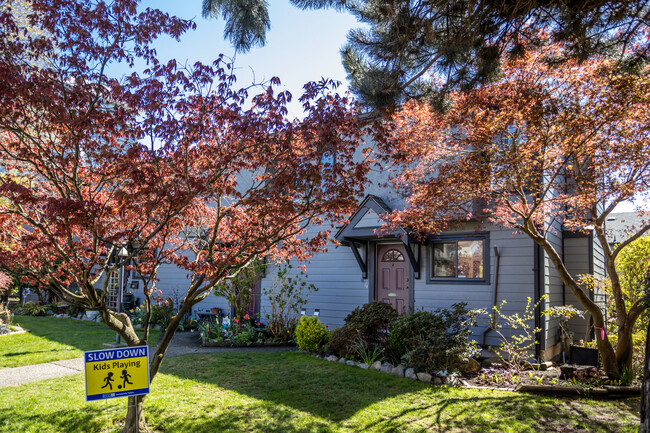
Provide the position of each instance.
(73, 420)
(328, 390)
(257, 417)
(282, 383)
(530, 413)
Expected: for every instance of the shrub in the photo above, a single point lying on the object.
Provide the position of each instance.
(367, 355)
(365, 326)
(212, 332)
(138, 315)
(287, 296)
(239, 289)
(162, 313)
(311, 334)
(373, 321)
(34, 309)
(430, 341)
(343, 340)
(6, 316)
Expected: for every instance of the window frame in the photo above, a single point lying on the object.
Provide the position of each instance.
(456, 237)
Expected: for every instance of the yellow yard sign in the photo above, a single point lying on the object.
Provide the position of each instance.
(113, 373)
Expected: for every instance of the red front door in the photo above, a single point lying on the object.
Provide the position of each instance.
(392, 276)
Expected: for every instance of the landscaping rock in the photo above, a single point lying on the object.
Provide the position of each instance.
(342, 361)
(409, 373)
(376, 365)
(398, 371)
(351, 363)
(424, 377)
(436, 380)
(362, 365)
(453, 380)
(487, 354)
(468, 366)
(332, 358)
(488, 362)
(542, 366)
(386, 367)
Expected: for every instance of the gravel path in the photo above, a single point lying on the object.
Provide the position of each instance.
(182, 344)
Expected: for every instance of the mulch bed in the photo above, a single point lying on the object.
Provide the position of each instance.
(549, 383)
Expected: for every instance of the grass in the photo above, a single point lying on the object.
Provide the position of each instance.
(293, 392)
(54, 339)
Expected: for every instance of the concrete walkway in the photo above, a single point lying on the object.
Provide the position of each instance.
(30, 373)
(182, 344)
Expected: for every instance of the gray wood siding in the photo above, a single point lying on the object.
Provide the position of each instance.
(337, 277)
(576, 259)
(516, 281)
(552, 287)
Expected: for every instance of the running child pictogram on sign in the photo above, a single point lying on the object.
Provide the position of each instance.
(113, 373)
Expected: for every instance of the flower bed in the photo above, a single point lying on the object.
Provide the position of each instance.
(251, 344)
(235, 333)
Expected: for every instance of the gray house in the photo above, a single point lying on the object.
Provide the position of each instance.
(480, 264)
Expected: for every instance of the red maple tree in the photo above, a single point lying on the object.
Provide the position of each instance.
(547, 147)
(170, 165)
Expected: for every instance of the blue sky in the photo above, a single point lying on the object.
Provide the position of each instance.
(301, 46)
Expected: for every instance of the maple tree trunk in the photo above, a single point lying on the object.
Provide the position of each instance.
(135, 422)
(625, 349)
(607, 353)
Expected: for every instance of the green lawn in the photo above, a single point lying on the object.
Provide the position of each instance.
(53, 339)
(293, 392)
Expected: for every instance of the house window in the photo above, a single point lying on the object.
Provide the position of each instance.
(392, 256)
(459, 259)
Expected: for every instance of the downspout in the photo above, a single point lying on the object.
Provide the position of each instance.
(495, 294)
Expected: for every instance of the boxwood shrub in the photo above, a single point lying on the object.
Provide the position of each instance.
(311, 334)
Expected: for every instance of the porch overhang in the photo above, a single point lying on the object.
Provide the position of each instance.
(363, 227)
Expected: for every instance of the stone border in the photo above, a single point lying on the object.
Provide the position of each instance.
(440, 378)
(455, 380)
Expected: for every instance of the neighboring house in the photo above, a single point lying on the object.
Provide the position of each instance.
(479, 264)
(618, 226)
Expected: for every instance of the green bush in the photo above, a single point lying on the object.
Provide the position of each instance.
(430, 341)
(365, 326)
(343, 341)
(311, 334)
(161, 314)
(34, 309)
(373, 321)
